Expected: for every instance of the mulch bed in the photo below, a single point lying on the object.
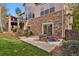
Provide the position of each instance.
(8, 34)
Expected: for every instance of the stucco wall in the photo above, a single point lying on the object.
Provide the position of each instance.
(37, 9)
(58, 7)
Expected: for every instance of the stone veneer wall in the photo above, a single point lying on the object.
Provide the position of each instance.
(36, 23)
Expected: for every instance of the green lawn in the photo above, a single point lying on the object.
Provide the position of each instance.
(15, 47)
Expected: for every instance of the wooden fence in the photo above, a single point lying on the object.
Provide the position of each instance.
(72, 34)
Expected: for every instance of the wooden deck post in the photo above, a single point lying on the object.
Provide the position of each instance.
(9, 24)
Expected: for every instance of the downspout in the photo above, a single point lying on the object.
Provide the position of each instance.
(62, 21)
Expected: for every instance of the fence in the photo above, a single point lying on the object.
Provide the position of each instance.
(72, 34)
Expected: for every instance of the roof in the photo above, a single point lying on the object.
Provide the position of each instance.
(11, 16)
(37, 4)
(34, 3)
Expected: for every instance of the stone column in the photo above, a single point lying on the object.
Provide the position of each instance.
(9, 24)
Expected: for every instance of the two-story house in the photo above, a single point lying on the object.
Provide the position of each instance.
(46, 18)
(11, 23)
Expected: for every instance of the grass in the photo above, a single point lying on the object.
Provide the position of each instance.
(15, 47)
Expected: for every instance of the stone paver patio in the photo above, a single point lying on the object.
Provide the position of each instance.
(42, 45)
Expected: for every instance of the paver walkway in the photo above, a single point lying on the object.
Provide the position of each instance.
(42, 45)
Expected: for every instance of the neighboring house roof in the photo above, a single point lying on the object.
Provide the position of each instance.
(13, 18)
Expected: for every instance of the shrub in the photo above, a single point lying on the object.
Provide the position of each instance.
(19, 31)
(70, 48)
(28, 32)
(15, 30)
(0, 31)
(57, 51)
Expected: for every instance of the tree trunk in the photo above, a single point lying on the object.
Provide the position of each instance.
(1, 28)
(18, 24)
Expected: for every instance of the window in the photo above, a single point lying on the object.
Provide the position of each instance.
(32, 12)
(33, 15)
(42, 12)
(29, 12)
(52, 9)
(47, 11)
(30, 15)
(26, 17)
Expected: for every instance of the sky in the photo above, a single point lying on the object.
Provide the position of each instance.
(12, 8)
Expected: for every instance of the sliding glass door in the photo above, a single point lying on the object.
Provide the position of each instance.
(47, 29)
